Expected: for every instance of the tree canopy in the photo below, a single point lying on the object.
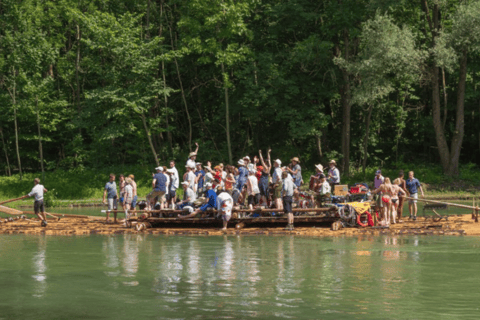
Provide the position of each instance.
(99, 83)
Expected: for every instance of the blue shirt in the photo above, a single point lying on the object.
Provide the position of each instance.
(161, 183)
(111, 188)
(412, 185)
(242, 177)
(200, 173)
(212, 198)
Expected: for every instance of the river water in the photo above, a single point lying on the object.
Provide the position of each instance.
(230, 277)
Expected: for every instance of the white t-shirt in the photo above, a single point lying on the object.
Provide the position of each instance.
(278, 175)
(168, 180)
(191, 163)
(176, 182)
(254, 185)
(228, 200)
(174, 185)
(128, 193)
(37, 191)
(208, 177)
(190, 194)
(191, 179)
(325, 188)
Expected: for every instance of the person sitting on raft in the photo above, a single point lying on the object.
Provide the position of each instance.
(188, 196)
(211, 202)
(224, 207)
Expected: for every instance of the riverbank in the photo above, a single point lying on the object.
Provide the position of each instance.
(459, 225)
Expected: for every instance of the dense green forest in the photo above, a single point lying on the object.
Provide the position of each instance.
(91, 84)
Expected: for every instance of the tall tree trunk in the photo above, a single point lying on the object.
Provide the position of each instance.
(319, 146)
(346, 108)
(165, 97)
(8, 171)
(149, 136)
(184, 98)
(442, 145)
(365, 138)
(227, 118)
(77, 78)
(40, 148)
(456, 145)
(445, 99)
(13, 94)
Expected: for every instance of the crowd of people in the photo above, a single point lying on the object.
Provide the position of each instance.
(251, 183)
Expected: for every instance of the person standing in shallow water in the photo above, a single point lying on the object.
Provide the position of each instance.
(412, 187)
(110, 191)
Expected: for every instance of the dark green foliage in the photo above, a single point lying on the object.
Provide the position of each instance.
(98, 69)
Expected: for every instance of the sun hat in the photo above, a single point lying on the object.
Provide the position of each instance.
(319, 167)
(198, 164)
(378, 172)
(247, 157)
(279, 162)
(241, 162)
(295, 159)
(159, 168)
(192, 154)
(208, 184)
(333, 161)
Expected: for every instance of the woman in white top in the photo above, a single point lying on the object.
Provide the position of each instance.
(252, 189)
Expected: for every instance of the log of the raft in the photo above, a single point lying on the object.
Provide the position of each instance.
(8, 210)
(233, 210)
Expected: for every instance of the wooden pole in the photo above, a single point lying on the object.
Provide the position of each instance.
(234, 210)
(11, 200)
(447, 203)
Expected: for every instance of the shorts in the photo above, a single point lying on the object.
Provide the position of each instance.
(235, 195)
(134, 202)
(122, 199)
(287, 204)
(159, 194)
(171, 194)
(254, 199)
(414, 196)
(278, 190)
(38, 206)
(112, 203)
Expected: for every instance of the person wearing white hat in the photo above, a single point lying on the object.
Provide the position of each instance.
(224, 207)
(159, 186)
(296, 171)
(190, 176)
(192, 156)
(333, 174)
(210, 202)
(188, 196)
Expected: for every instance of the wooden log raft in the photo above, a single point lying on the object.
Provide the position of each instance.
(323, 215)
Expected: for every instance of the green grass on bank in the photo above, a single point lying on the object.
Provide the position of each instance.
(86, 185)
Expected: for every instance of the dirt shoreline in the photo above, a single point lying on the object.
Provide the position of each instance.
(455, 225)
